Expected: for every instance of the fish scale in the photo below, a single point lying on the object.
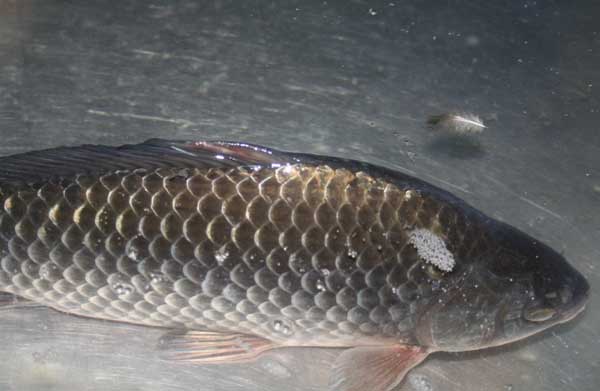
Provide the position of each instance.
(323, 250)
(237, 249)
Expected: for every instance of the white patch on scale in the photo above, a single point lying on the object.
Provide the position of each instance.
(432, 249)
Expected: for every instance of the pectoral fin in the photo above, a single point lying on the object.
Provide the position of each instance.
(378, 368)
(205, 347)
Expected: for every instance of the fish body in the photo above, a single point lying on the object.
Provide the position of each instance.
(251, 249)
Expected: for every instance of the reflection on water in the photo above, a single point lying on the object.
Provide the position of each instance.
(456, 146)
(54, 351)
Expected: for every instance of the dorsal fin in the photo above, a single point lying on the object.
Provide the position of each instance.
(38, 166)
(155, 153)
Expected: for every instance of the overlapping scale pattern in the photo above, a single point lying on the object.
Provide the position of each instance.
(302, 252)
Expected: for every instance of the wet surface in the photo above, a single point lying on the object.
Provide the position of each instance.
(354, 80)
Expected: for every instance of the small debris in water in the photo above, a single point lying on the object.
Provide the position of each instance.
(408, 195)
(158, 277)
(457, 123)
(133, 253)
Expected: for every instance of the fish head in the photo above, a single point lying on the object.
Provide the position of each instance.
(544, 288)
(516, 288)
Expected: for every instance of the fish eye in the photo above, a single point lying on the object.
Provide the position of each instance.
(539, 314)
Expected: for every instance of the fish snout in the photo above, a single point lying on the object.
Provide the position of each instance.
(575, 301)
(560, 295)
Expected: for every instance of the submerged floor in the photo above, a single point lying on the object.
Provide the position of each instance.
(354, 80)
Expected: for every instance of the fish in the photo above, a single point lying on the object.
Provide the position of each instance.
(236, 249)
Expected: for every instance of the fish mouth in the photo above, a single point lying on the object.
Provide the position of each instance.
(579, 301)
(573, 312)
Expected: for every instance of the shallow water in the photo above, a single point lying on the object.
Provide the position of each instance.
(352, 79)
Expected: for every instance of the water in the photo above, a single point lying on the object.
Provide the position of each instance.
(353, 79)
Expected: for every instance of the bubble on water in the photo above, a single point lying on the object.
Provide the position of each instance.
(158, 278)
(122, 288)
(288, 169)
(221, 255)
(508, 387)
(379, 248)
(47, 269)
(420, 383)
(352, 254)
(133, 253)
(160, 282)
(372, 12)
(242, 344)
(325, 272)
(321, 285)
(277, 369)
(280, 326)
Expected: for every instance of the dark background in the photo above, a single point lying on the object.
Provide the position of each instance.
(348, 78)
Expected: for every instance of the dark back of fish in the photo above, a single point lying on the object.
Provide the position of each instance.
(300, 252)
